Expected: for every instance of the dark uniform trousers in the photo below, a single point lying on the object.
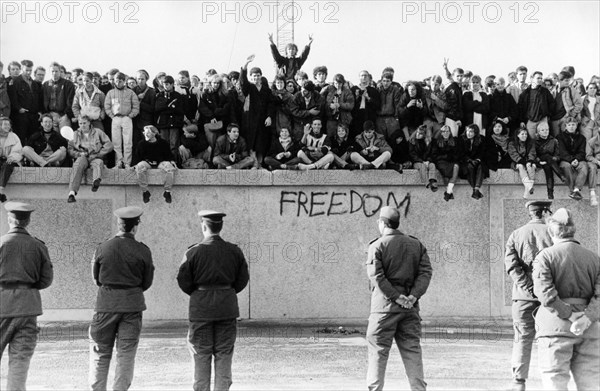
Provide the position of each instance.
(524, 328)
(205, 340)
(106, 328)
(20, 335)
(404, 328)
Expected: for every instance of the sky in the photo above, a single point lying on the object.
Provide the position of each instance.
(414, 37)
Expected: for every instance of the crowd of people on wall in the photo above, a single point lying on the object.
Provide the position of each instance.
(453, 125)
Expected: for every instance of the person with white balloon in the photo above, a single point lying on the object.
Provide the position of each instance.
(87, 147)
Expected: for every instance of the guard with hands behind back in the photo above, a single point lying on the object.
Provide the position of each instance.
(566, 280)
(399, 272)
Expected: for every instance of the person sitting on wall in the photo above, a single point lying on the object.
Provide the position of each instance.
(231, 151)
(497, 156)
(194, 151)
(342, 147)
(419, 152)
(87, 148)
(592, 154)
(47, 147)
(571, 147)
(283, 154)
(547, 156)
(316, 147)
(10, 153)
(472, 160)
(154, 152)
(371, 149)
(445, 154)
(522, 153)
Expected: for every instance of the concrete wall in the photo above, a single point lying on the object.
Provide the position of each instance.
(304, 234)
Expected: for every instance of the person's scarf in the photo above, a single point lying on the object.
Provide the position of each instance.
(501, 140)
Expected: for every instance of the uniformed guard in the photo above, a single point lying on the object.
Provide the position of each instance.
(399, 271)
(212, 273)
(566, 279)
(122, 268)
(25, 268)
(522, 247)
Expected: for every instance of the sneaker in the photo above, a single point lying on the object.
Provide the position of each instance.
(367, 166)
(71, 198)
(96, 185)
(477, 194)
(572, 195)
(433, 186)
(448, 196)
(351, 166)
(575, 195)
(146, 197)
(594, 200)
(167, 195)
(550, 194)
(303, 167)
(3, 197)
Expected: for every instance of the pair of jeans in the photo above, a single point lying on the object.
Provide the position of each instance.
(122, 138)
(79, 167)
(142, 168)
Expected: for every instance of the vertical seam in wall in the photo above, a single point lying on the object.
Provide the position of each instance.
(488, 249)
(249, 269)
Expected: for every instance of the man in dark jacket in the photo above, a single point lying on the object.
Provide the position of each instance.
(26, 102)
(58, 95)
(123, 270)
(306, 105)
(454, 113)
(154, 152)
(231, 151)
(503, 107)
(571, 151)
(212, 273)
(523, 245)
(536, 104)
(170, 108)
(25, 269)
(47, 147)
(399, 273)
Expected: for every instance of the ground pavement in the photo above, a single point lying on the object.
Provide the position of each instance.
(278, 356)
